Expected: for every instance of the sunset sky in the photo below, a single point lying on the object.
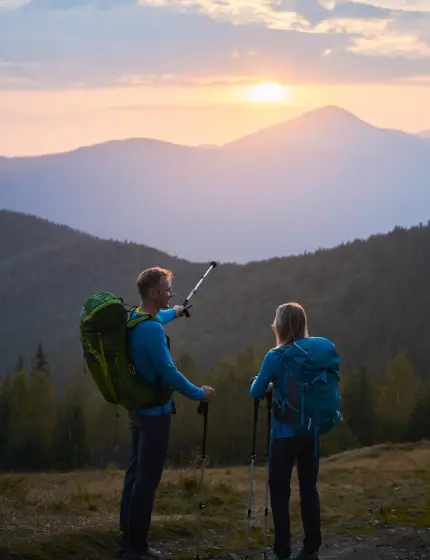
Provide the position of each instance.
(76, 72)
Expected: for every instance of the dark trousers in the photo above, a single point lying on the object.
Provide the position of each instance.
(285, 452)
(149, 443)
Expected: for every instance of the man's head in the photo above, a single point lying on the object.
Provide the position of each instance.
(155, 285)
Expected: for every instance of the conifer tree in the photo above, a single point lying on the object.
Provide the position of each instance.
(40, 361)
(397, 399)
(359, 407)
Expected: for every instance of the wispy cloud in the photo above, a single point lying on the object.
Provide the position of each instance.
(148, 43)
(377, 37)
(369, 35)
(240, 12)
(418, 80)
(12, 82)
(394, 5)
(12, 4)
(391, 44)
(172, 80)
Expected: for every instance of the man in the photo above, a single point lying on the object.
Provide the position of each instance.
(150, 427)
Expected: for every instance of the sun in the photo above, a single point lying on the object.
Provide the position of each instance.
(268, 92)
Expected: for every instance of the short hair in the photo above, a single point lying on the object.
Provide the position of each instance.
(150, 278)
(290, 323)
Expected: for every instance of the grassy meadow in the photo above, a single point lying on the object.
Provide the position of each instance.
(75, 515)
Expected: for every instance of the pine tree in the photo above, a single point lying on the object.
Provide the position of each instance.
(359, 407)
(15, 451)
(40, 361)
(5, 386)
(398, 397)
(42, 410)
(419, 425)
(19, 365)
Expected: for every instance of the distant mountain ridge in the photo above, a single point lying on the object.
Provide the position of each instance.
(314, 181)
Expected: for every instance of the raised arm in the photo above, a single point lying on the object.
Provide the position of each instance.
(166, 315)
(155, 342)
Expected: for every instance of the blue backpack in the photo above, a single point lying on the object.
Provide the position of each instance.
(309, 392)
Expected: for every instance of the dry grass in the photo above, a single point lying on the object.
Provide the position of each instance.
(75, 515)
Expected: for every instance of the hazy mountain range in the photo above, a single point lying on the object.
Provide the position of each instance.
(314, 181)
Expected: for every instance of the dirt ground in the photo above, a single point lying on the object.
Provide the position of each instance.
(375, 505)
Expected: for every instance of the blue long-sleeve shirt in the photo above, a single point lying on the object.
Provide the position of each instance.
(272, 368)
(315, 352)
(151, 356)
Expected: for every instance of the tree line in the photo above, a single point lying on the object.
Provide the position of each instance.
(43, 429)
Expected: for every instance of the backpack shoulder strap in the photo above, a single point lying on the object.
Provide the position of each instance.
(139, 318)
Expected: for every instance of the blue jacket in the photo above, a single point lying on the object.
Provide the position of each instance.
(151, 356)
(313, 352)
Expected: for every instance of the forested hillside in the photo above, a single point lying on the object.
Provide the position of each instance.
(370, 296)
(39, 429)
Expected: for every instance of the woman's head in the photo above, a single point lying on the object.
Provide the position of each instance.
(290, 323)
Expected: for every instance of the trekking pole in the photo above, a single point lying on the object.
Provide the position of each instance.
(196, 287)
(269, 396)
(202, 409)
(251, 481)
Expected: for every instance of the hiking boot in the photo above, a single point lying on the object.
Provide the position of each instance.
(303, 555)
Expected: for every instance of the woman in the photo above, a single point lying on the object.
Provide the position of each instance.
(294, 437)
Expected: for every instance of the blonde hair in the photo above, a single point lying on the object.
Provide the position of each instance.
(290, 323)
(150, 278)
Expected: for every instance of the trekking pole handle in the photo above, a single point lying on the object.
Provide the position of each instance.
(187, 314)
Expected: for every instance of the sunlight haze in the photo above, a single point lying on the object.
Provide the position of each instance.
(205, 74)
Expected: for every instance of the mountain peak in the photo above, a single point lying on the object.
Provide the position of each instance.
(315, 128)
(332, 113)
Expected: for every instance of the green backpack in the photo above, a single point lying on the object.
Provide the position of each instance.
(104, 328)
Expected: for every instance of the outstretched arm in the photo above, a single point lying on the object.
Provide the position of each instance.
(168, 315)
(265, 376)
(155, 342)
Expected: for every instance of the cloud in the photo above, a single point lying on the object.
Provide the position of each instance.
(68, 4)
(392, 5)
(15, 82)
(377, 37)
(373, 27)
(103, 43)
(391, 45)
(419, 80)
(12, 4)
(240, 12)
(171, 80)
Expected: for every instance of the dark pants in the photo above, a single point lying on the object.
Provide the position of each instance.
(285, 452)
(149, 443)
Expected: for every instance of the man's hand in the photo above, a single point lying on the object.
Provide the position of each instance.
(209, 393)
(179, 309)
